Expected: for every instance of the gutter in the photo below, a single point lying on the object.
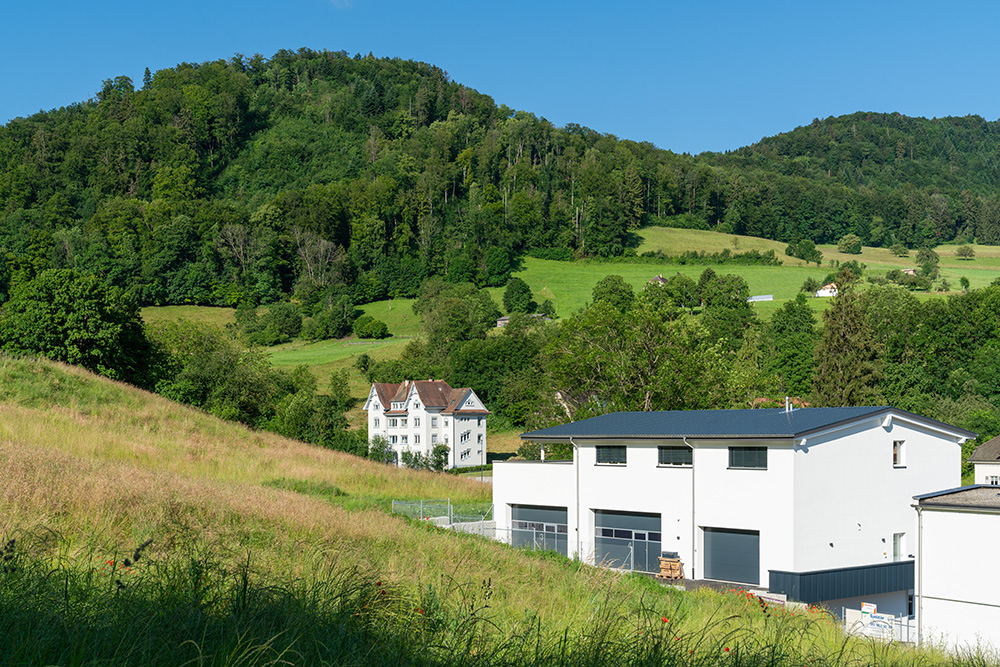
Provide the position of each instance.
(920, 574)
(576, 464)
(694, 525)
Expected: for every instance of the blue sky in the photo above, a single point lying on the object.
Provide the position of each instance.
(686, 76)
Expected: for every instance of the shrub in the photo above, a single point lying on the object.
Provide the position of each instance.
(850, 244)
(367, 326)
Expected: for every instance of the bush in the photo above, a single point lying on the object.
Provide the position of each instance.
(850, 244)
(805, 250)
(367, 326)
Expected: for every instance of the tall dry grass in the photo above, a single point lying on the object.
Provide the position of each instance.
(239, 572)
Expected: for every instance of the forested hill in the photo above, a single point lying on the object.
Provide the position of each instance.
(335, 176)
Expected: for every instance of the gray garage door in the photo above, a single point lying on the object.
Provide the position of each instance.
(627, 540)
(732, 555)
(539, 527)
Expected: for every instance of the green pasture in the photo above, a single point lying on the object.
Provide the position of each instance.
(207, 314)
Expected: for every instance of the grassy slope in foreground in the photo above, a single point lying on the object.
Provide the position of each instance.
(241, 572)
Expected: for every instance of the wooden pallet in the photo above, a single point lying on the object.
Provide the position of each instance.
(671, 568)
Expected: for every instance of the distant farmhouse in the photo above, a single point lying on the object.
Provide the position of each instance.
(986, 460)
(415, 416)
(829, 289)
(810, 503)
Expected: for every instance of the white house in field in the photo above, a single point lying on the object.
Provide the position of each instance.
(958, 592)
(829, 289)
(986, 460)
(813, 503)
(416, 415)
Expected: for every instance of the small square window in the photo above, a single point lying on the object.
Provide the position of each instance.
(754, 458)
(611, 454)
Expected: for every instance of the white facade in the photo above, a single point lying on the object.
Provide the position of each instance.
(831, 500)
(419, 415)
(958, 590)
(987, 473)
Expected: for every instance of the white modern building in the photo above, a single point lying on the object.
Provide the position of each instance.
(812, 502)
(986, 461)
(417, 415)
(958, 592)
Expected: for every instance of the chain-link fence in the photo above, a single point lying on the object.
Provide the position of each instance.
(610, 552)
(466, 518)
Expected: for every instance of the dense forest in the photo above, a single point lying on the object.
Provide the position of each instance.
(326, 176)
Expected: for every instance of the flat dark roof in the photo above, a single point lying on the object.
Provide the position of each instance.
(756, 424)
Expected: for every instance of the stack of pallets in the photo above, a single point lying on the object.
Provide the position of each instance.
(671, 568)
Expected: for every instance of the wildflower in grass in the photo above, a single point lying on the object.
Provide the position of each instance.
(666, 620)
(726, 649)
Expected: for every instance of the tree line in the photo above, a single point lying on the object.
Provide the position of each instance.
(334, 179)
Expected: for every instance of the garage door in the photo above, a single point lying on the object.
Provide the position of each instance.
(627, 540)
(732, 555)
(539, 527)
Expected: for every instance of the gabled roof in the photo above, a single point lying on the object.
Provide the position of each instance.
(776, 423)
(988, 452)
(432, 394)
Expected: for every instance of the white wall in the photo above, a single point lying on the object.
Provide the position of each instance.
(641, 485)
(959, 600)
(551, 484)
(983, 471)
(848, 493)
(758, 500)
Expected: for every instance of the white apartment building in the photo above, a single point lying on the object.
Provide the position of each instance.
(416, 415)
(813, 503)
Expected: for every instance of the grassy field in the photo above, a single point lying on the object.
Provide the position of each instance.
(134, 531)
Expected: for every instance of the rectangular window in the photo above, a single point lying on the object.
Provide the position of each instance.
(434, 437)
(676, 456)
(402, 423)
(416, 421)
(392, 423)
(480, 439)
(898, 547)
(754, 458)
(479, 422)
(993, 480)
(392, 440)
(376, 421)
(416, 440)
(898, 460)
(611, 454)
(445, 421)
(434, 422)
(403, 439)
